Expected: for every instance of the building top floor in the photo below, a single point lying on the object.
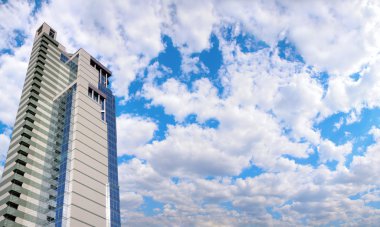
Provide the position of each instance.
(45, 28)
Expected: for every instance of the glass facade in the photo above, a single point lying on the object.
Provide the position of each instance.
(112, 157)
(65, 105)
(64, 58)
(62, 178)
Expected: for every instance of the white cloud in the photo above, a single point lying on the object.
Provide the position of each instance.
(192, 65)
(349, 96)
(14, 17)
(353, 117)
(244, 132)
(297, 103)
(190, 24)
(12, 70)
(191, 150)
(328, 151)
(256, 86)
(364, 168)
(338, 124)
(173, 94)
(375, 132)
(15, 23)
(314, 194)
(133, 132)
(345, 40)
(130, 200)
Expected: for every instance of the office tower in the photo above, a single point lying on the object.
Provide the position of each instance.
(61, 167)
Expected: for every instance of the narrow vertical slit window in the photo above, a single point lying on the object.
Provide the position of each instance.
(103, 107)
(102, 102)
(96, 97)
(90, 92)
(104, 80)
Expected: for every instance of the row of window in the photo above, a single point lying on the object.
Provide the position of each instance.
(99, 99)
(51, 32)
(103, 75)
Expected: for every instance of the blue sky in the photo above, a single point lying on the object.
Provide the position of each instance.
(233, 113)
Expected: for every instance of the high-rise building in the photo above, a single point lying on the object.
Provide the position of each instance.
(61, 167)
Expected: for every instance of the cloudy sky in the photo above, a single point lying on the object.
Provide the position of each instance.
(230, 113)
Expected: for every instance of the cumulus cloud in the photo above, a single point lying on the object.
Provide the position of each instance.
(375, 132)
(345, 94)
(244, 132)
(133, 132)
(15, 17)
(13, 69)
(190, 24)
(328, 151)
(342, 34)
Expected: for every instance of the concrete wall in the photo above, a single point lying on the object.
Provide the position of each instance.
(89, 160)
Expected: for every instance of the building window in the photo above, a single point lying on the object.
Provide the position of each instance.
(90, 92)
(39, 31)
(100, 100)
(103, 79)
(64, 58)
(52, 33)
(103, 73)
(96, 97)
(103, 106)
